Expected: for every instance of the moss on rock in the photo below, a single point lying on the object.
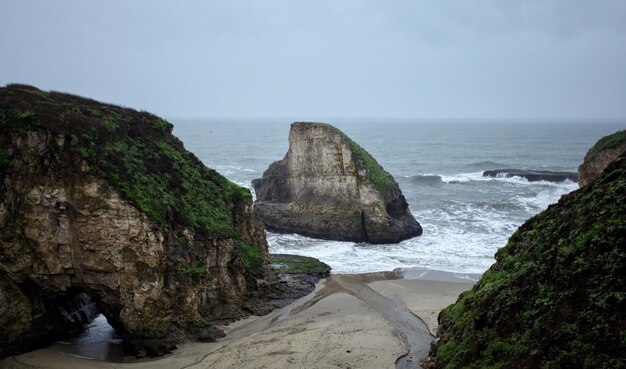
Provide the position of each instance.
(135, 151)
(609, 142)
(556, 296)
(296, 264)
(329, 187)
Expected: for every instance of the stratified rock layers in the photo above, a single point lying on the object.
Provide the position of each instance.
(328, 187)
(96, 199)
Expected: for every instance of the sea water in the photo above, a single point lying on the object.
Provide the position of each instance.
(438, 164)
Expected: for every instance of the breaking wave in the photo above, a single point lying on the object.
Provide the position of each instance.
(460, 236)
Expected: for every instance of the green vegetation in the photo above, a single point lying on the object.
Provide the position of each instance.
(376, 175)
(11, 119)
(252, 258)
(609, 142)
(194, 273)
(17, 119)
(295, 264)
(556, 297)
(136, 152)
(197, 271)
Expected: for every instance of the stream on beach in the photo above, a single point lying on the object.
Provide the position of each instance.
(414, 336)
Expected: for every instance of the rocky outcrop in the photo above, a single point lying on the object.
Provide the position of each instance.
(532, 175)
(102, 205)
(600, 156)
(556, 296)
(329, 187)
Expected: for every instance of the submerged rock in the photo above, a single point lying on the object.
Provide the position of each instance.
(556, 296)
(297, 264)
(102, 201)
(328, 187)
(532, 175)
(600, 155)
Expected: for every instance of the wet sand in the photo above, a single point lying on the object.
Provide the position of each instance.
(349, 321)
(423, 298)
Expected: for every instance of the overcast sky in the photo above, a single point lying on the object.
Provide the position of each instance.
(325, 58)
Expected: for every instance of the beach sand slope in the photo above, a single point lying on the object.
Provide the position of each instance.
(340, 325)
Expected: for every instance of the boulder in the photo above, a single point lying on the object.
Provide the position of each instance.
(329, 187)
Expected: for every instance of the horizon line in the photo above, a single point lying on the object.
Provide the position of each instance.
(416, 119)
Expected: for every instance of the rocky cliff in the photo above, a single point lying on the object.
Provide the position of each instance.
(556, 296)
(102, 201)
(600, 155)
(328, 187)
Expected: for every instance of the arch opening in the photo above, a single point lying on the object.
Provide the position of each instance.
(82, 329)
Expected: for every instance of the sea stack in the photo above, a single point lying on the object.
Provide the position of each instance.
(329, 187)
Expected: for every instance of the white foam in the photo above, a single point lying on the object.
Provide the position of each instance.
(434, 250)
(459, 237)
(462, 177)
(478, 177)
(544, 198)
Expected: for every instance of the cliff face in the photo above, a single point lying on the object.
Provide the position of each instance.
(102, 201)
(328, 187)
(600, 155)
(556, 296)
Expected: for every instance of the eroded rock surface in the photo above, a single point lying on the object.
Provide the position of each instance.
(328, 187)
(600, 156)
(100, 200)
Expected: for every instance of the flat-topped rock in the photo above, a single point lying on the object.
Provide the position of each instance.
(532, 175)
(329, 187)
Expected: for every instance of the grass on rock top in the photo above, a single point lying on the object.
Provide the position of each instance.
(135, 151)
(609, 142)
(296, 264)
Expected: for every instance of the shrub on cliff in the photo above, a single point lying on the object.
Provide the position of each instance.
(556, 296)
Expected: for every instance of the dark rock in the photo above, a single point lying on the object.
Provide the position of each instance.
(297, 277)
(532, 175)
(328, 187)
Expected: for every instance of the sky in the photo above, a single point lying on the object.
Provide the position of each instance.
(536, 59)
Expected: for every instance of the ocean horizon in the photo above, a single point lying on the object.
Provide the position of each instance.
(439, 166)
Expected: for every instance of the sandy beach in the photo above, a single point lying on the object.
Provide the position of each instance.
(349, 321)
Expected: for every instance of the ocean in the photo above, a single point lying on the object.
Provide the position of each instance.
(437, 163)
